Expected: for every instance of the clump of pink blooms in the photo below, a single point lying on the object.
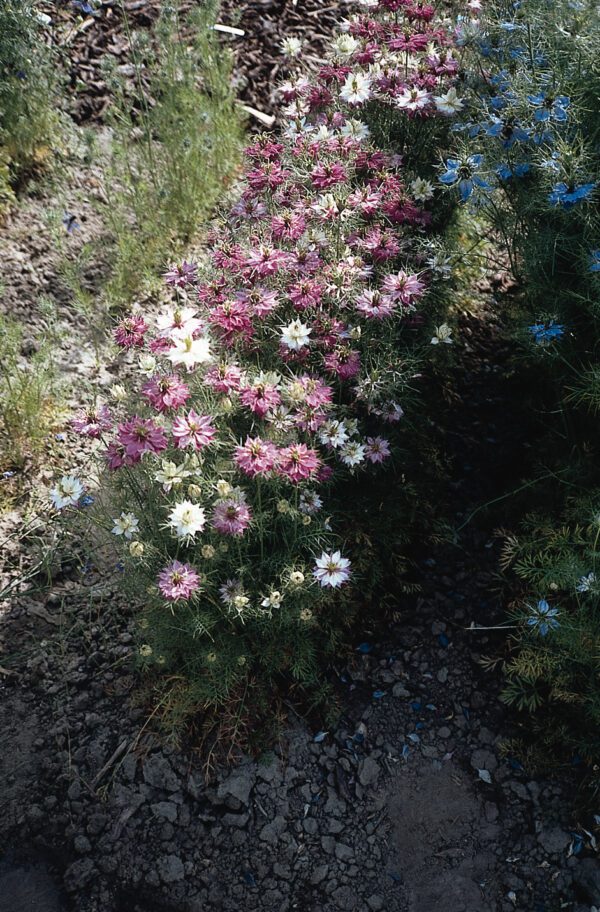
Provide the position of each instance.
(276, 367)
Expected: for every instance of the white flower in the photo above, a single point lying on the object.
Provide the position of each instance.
(223, 487)
(586, 583)
(295, 335)
(170, 475)
(127, 525)
(118, 392)
(310, 503)
(413, 99)
(291, 47)
(355, 129)
(178, 321)
(188, 351)
(422, 190)
(147, 364)
(296, 577)
(333, 433)
(136, 548)
(187, 518)
(344, 46)
(326, 206)
(442, 334)
(67, 492)
(273, 600)
(352, 454)
(356, 89)
(331, 570)
(449, 103)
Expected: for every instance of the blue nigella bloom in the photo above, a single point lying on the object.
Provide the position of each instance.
(508, 132)
(70, 222)
(549, 108)
(543, 333)
(595, 261)
(86, 501)
(506, 171)
(464, 172)
(543, 618)
(568, 195)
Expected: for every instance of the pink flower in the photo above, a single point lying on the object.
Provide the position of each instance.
(327, 175)
(226, 378)
(259, 301)
(298, 463)
(260, 398)
(256, 456)
(181, 275)
(232, 321)
(231, 516)
(165, 392)
(377, 449)
(344, 362)
(193, 429)
(306, 293)
(288, 227)
(178, 581)
(92, 422)
(129, 333)
(116, 457)
(374, 305)
(141, 435)
(403, 287)
(316, 393)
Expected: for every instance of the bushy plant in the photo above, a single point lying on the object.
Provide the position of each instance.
(28, 392)
(530, 165)
(553, 669)
(279, 374)
(175, 146)
(28, 112)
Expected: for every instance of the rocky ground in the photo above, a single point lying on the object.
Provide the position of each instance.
(411, 803)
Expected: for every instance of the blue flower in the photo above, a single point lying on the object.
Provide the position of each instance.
(595, 261)
(464, 172)
(543, 618)
(508, 131)
(567, 195)
(550, 108)
(70, 222)
(506, 171)
(543, 333)
(86, 501)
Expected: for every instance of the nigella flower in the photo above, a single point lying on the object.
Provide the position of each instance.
(543, 618)
(178, 581)
(70, 222)
(67, 492)
(550, 108)
(464, 172)
(506, 171)
(567, 195)
(231, 516)
(331, 570)
(180, 275)
(595, 261)
(586, 583)
(544, 333)
(506, 130)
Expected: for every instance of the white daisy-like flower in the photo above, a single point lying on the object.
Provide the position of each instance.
(355, 129)
(333, 433)
(443, 334)
(171, 475)
(67, 492)
(178, 321)
(422, 190)
(188, 352)
(291, 47)
(126, 525)
(352, 454)
(344, 46)
(295, 335)
(331, 570)
(356, 89)
(449, 103)
(186, 519)
(413, 99)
